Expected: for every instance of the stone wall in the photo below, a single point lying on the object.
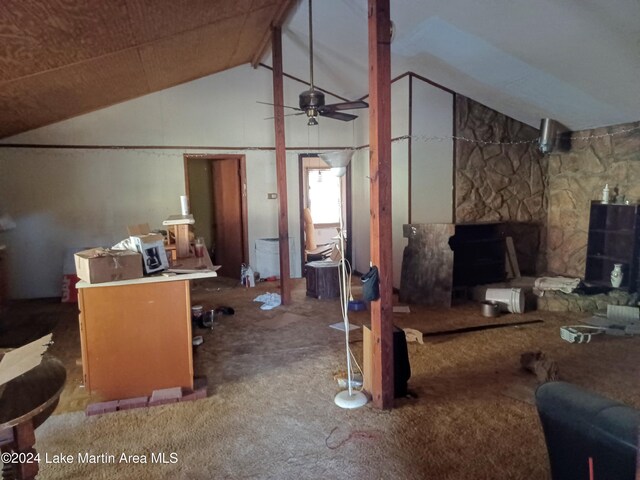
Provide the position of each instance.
(501, 182)
(577, 177)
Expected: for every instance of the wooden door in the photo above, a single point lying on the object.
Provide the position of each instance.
(228, 213)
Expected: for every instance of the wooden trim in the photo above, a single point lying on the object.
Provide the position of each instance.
(379, 29)
(455, 158)
(163, 147)
(327, 225)
(409, 149)
(301, 187)
(285, 8)
(243, 180)
(394, 80)
(418, 77)
(394, 139)
(281, 165)
(349, 209)
(307, 84)
(431, 82)
(245, 209)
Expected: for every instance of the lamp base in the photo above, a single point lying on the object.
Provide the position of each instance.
(355, 400)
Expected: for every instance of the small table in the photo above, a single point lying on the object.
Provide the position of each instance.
(323, 279)
(25, 403)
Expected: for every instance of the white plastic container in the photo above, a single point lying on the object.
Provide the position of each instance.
(509, 299)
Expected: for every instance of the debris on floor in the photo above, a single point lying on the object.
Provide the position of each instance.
(337, 439)
(562, 284)
(401, 309)
(477, 328)
(340, 326)
(545, 369)
(413, 335)
(225, 310)
(579, 333)
(269, 300)
(341, 378)
(619, 321)
(357, 305)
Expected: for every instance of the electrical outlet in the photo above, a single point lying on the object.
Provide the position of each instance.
(272, 196)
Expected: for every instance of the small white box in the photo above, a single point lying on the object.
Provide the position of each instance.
(154, 257)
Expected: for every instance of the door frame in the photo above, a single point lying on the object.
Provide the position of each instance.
(301, 184)
(243, 186)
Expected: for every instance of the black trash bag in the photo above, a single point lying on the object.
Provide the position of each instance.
(371, 285)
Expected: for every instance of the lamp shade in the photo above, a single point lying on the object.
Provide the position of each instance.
(337, 160)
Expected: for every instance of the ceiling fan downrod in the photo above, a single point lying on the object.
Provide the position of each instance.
(310, 45)
(311, 99)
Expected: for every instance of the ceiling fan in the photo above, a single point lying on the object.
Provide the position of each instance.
(311, 102)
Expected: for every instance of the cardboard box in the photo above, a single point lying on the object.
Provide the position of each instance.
(98, 265)
(151, 247)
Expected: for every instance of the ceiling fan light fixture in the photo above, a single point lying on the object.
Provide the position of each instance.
(312, 113)
(337, 160)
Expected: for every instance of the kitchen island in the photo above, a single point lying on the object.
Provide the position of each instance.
(136, 334)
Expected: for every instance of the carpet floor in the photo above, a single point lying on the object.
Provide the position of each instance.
(270, 414)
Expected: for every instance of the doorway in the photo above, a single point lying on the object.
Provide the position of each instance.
(216, 187)
(320, 194)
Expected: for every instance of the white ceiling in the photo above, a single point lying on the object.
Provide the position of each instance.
(576, 61)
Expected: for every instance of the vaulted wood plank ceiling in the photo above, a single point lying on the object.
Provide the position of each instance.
(62, 58)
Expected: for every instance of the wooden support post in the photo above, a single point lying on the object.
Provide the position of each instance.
(380, 199)
(281, 164)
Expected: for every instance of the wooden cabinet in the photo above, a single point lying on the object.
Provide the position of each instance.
(136, 338)
(614, 237)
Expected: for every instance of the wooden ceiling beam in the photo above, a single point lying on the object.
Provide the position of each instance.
(380, 199)
(278, 20)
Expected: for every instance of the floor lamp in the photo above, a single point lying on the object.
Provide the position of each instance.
(348, 398)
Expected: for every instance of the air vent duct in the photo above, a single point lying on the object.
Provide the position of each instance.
(553, 137)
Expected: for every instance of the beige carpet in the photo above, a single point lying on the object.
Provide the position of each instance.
(270, 411)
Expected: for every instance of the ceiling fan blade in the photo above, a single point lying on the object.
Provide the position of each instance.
(346, 105)
(345, 117)
(285, 106)
(286, 115)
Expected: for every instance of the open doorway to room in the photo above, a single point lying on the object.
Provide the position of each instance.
(216, 187)
(320, 195)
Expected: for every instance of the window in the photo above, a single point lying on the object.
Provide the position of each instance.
(324, 196)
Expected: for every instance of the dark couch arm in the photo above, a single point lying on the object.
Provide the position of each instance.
(579, 424)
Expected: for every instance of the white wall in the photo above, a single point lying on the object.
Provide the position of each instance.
(400, 171)
(431, 170)
(78, 198)
(399, 179)
(64, 198)
(431, 161)
(360, 248)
